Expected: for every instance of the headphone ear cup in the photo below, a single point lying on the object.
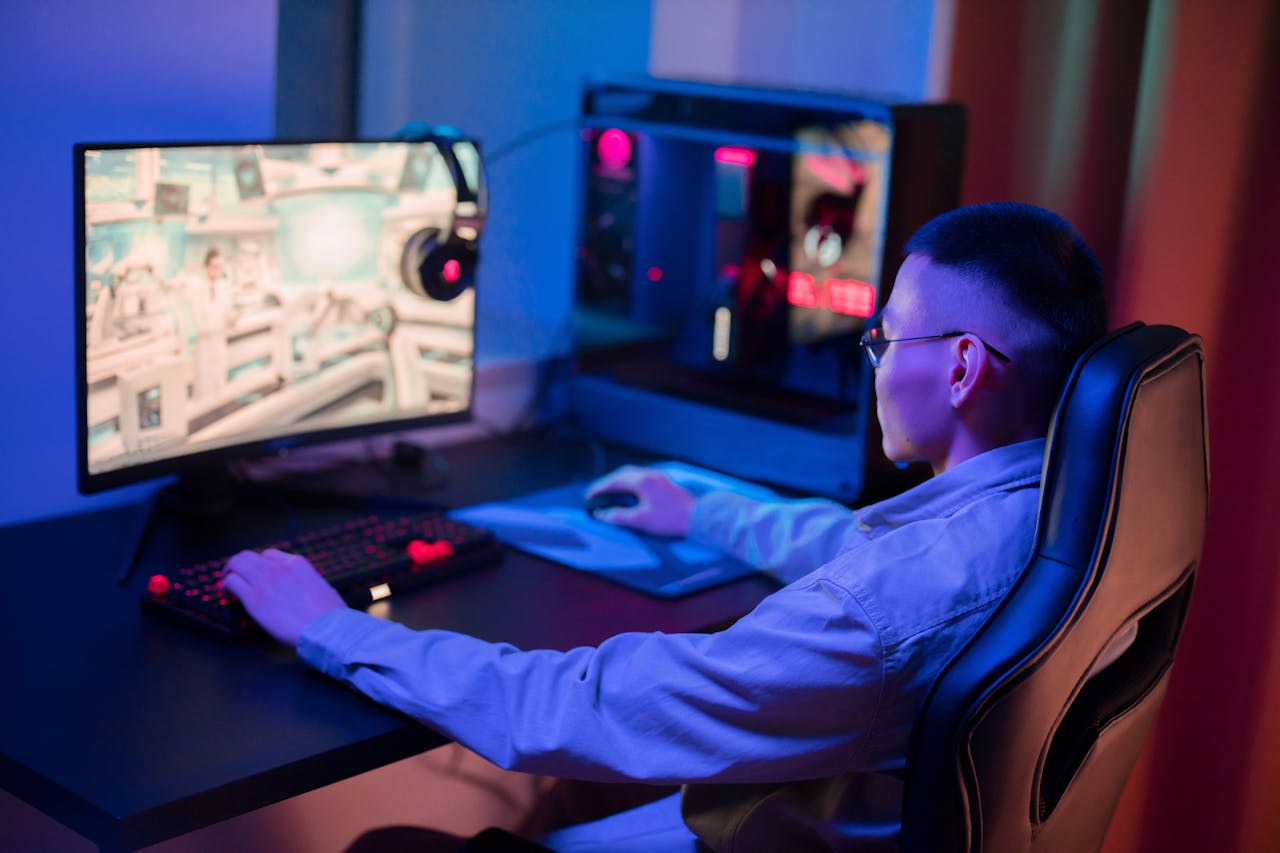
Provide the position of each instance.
(438, 269)
(457, 260)
(441, 264)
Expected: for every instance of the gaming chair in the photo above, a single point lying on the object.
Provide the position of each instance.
(1027, 738)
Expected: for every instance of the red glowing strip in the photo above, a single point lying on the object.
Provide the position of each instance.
(735, 156)
(655, 273)
(802, 290)
(852, 297)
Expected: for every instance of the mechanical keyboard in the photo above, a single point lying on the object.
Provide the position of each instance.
(365, 559)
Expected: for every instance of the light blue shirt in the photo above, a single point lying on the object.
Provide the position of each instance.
(821, 682)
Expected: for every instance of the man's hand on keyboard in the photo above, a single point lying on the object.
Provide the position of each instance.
(283, 592)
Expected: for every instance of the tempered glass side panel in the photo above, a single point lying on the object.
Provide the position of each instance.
(733, 269)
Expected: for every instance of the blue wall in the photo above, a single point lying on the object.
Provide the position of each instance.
(869, 47)
(504, 71)
(95, 70)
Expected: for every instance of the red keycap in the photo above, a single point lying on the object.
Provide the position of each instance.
(421, 552)
(428, 552)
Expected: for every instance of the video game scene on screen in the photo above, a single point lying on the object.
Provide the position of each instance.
(235, 292)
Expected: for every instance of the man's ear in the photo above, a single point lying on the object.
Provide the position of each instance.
(969, 361)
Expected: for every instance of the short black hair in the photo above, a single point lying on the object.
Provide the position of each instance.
(1039, 265)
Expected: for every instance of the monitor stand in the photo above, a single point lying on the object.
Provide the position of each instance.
(203, 494)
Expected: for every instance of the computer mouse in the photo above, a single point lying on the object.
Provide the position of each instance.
(609, 500)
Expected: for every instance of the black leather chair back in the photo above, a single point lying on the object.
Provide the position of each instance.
(1026, 740)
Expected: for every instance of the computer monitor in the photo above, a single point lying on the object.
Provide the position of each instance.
(236, 299)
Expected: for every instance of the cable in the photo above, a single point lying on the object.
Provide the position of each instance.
(527, 137)
(419, 131)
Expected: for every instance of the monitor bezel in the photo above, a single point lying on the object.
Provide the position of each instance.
(214, 460)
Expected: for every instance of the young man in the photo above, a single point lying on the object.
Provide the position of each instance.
(789, 729)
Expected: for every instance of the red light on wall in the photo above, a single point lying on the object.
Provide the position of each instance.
(613, 147)
(802, 290)
(852, 297)
(735, 156)
(655, 273)
(451, 270)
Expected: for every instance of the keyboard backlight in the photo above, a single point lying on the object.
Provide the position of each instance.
(379, 592)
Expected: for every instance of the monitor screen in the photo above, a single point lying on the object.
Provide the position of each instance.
(236, 299)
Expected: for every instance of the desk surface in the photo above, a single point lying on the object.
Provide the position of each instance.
(131, 731)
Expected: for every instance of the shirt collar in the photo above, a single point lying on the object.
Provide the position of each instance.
(1003, 469)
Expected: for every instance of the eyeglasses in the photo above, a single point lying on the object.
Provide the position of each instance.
(874, 344)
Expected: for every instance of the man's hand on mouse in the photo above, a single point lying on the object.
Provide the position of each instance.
(663, 508)
(282, 592)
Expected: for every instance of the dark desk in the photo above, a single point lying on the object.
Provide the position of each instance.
(131, 731)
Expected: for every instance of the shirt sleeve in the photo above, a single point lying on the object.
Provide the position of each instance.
(787, 539)
(790, 691)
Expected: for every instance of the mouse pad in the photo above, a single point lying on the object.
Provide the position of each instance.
(552, 524)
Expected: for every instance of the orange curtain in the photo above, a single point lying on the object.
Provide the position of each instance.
(1153, 126)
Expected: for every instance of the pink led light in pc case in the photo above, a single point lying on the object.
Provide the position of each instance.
(236, 299)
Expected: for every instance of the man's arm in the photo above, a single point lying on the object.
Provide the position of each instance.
(787, 539)
(790, 691)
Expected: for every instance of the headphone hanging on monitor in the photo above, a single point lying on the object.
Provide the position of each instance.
(441, 263)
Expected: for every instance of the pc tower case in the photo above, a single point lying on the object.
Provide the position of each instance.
(734, 242)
